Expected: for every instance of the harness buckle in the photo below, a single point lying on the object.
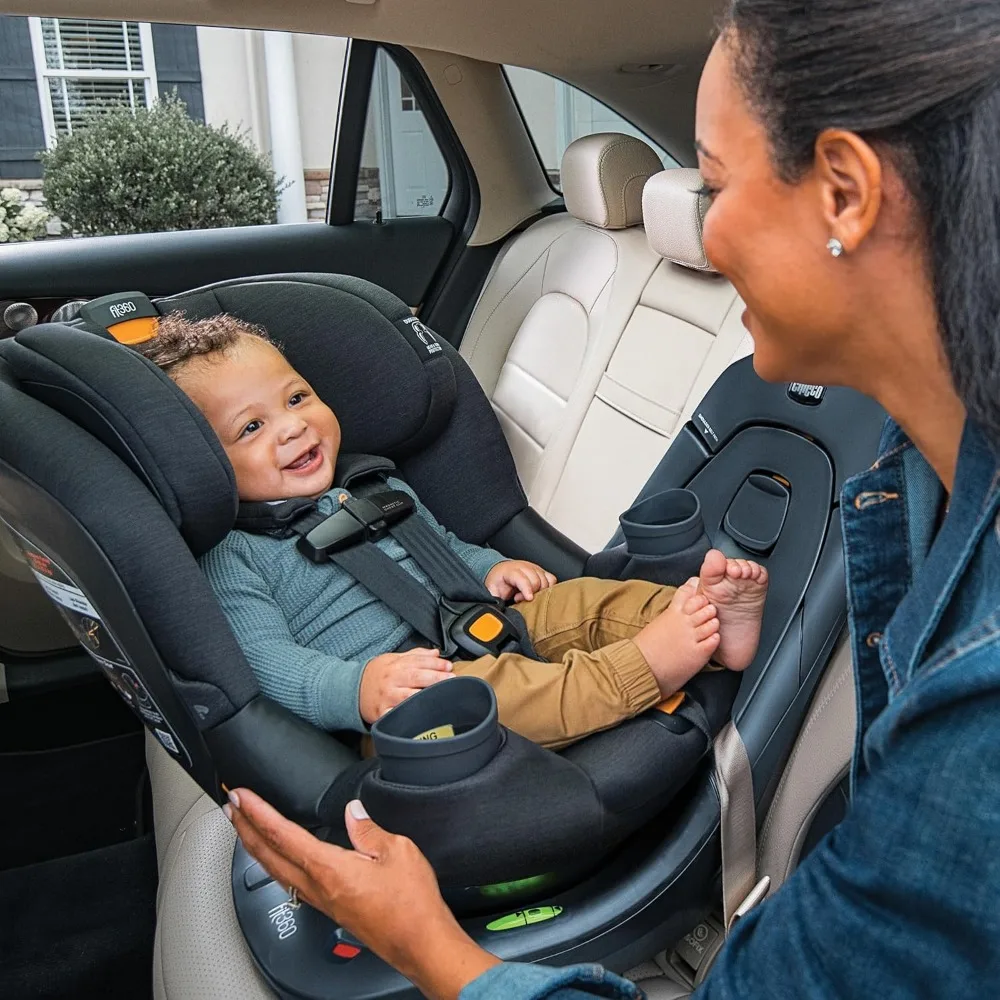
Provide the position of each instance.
(475, 629)
(357, 521)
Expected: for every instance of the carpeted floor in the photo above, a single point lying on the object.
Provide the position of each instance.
(77, 867)
(70, 800)
(80, 926)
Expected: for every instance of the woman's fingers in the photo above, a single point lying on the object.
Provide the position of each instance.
(366, 835)
(286, 838)
(277, 865)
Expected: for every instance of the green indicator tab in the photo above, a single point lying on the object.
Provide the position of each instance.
(518, 885)
(522, 918)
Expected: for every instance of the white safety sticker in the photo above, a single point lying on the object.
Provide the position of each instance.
(65, 594)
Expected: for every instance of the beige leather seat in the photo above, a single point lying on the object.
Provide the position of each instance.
(557, 298)
(590, 388)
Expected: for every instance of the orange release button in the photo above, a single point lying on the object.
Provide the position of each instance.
(486, 627)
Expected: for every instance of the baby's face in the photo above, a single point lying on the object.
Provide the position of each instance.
(281, 438)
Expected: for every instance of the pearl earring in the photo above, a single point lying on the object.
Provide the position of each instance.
(835, 247)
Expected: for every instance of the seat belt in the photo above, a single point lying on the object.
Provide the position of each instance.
(467, 620)
(741, 890)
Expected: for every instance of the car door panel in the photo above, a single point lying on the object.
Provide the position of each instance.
(401, 255)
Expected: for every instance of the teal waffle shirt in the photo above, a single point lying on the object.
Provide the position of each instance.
(307, 629)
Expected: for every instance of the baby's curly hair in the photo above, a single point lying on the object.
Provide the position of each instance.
(178, 339)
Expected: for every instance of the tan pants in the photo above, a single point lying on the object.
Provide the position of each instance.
(597, 677)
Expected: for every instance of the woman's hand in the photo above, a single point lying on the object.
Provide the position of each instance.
(384, 892)
(518, 579)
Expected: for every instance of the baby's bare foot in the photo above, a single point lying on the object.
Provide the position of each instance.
(737, 588)
(678, 642)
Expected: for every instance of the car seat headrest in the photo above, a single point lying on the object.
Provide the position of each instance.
(397, 389)
(673, 211)
(389, 378)
(135, 410)
(602, 178)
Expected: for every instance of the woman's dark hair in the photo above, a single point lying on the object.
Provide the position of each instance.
(920, 80)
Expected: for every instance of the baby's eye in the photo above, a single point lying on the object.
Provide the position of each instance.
(296, 398)
(251, 428)
(706, 191)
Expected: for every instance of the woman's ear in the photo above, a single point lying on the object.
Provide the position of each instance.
(849, 174)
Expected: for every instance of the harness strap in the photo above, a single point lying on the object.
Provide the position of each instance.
(392, 585)
(448, 624)
(449, 573)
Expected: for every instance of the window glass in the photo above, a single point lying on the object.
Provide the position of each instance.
(87, 65)
(228, 126)
(556, 113)
(403, 171)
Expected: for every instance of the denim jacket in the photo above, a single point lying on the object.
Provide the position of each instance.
(902, 898)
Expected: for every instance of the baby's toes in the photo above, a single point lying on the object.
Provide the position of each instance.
(706, 629)
(707, 613)
(696, 602)
(709, 644)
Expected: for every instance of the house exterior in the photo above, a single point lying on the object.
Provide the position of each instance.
(281, 89)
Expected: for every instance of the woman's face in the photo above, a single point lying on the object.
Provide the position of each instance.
(769, 238)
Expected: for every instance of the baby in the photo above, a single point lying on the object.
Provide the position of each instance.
(326, 648)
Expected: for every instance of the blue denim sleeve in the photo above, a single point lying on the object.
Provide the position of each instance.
(517, 981)
(900, 899)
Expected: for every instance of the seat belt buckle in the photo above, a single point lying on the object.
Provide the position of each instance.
(477, 629)
(377, 512)
(338, 531)
(357, 521)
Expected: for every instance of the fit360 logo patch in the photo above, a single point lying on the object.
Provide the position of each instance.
(283, 918)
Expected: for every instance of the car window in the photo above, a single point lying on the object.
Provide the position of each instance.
(556, 113)
(200, 126)
(403, 171)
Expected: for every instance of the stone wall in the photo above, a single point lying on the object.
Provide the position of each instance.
(317, 191)
(367, 200)
(32, 189)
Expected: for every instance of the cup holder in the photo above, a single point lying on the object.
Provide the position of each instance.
(444, 733)
(663, 524)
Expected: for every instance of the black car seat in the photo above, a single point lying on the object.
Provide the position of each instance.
(130, 557)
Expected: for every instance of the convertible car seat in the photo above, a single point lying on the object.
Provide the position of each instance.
(109, 500)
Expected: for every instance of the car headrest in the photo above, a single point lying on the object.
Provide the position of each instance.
(673, 212)
(602, 178)
(397, 389)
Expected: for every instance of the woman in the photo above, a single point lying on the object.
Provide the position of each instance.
(851, 149)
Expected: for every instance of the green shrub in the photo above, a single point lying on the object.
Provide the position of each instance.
(156, 169)
(19, 220)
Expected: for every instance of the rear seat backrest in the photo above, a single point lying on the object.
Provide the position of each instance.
(684, 330)
(558, 297)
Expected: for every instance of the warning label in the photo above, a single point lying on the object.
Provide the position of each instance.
(94, 635)
(65, 594)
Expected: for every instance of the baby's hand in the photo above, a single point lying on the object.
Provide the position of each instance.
(392, 677)
(518, 579)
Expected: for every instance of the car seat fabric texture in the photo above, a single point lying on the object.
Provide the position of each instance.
(338, 331)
